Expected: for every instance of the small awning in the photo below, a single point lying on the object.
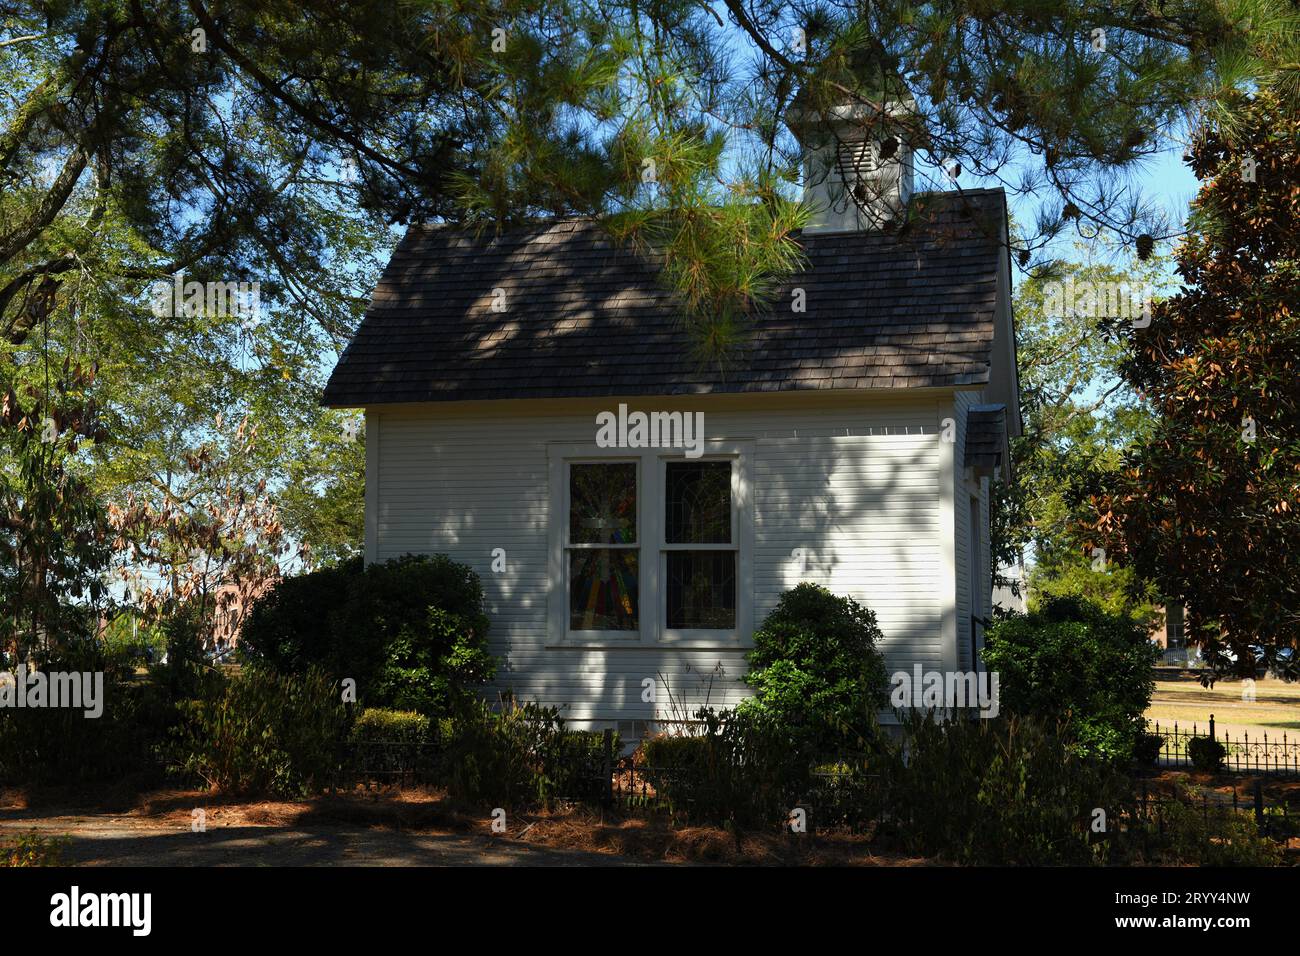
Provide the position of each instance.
(986, 437)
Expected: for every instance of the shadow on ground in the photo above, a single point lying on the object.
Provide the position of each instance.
(123, 841)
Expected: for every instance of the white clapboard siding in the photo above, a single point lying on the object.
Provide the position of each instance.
(968, 486)
(857, 482)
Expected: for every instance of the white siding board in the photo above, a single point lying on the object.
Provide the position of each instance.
(859, 485)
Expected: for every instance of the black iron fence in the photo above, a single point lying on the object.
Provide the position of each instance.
(396, 763)
(1149, 813)
(1244, 752)
(836, 795)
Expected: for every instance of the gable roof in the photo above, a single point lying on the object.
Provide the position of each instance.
(586, 316)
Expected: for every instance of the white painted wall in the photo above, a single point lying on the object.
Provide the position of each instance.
(861, 481)
(970, 486)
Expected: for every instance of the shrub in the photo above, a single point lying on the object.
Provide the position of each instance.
(1147, 749)
(521, 756)
(575, 765)
(1071, 661)
(411, 632)
(1006, 791)
(815, 664)
(32, 849)
(494, 756)
(740, 768)
(382, 724)
(61, 745)
(260, 733)
(387, 742)
(672, 752)
(295, 624)
(1206, 754)
(1189, 833)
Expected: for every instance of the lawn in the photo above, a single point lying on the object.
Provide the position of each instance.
(1275, 709)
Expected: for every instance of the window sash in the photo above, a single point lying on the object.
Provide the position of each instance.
(668, 634)
(622, 635)
(651, 535)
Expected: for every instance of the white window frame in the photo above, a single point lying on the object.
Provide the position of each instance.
(652, 562)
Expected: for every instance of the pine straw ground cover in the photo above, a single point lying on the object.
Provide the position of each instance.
(649, 839)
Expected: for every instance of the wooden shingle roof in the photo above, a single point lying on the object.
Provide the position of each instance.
(986, 427)
(585, 316)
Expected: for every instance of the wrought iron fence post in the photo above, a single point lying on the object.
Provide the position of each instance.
(1211, 726)
(1259, 805)
(607, 797)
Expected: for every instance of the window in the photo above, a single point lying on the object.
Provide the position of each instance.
(603, 554)
(648, 546)
(699, 549)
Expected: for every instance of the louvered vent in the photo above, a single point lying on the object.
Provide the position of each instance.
(857, 159)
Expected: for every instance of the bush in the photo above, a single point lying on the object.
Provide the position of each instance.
(575, 766)
(381, 724)
(61, 745)
(411, 632)
(742, 768)
(1071, 661)
(1188, 833)
(1206, 754)
(387, 742)
(1147, 749)
(32, 849)
(263, 734)
(815, 664)
(520, 755)
(494, 756)
(1007, 791)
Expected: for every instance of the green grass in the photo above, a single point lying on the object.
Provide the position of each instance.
(1275, 709)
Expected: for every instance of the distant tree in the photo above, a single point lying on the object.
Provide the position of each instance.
(54, 534)
(1079, 417)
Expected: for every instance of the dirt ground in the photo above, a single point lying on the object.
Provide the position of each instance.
(420, 828)
(388, 828)
(111, 840)
(161, 832)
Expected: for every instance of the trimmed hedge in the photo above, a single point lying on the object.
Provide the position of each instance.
(411, 632)
(1206, 754)
(383, 724)
(1147, 749)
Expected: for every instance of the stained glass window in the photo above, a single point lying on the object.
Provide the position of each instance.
(602, 503)
(603, 589)
(603, 555)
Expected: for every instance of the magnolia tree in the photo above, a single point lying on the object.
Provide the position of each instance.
(1209, 503)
